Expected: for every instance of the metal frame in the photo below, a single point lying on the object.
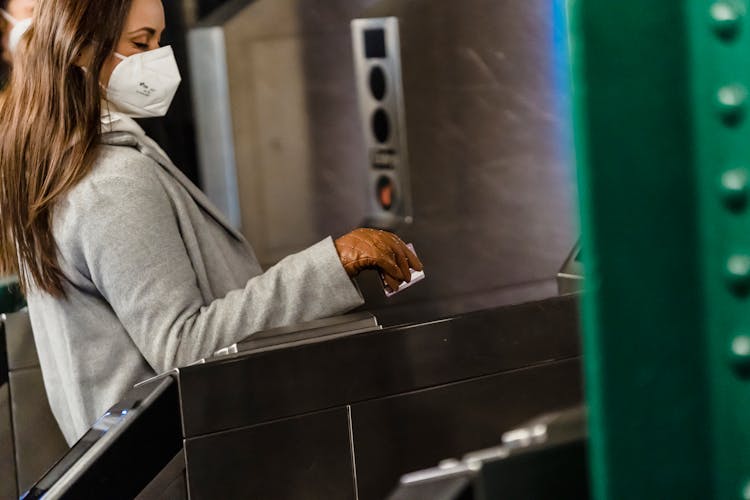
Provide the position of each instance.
(570, 276)
(213, 119)
(142, 431)
(8, 472)
(542, 444)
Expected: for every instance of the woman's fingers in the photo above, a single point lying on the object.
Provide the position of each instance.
(391, 256)
(412, 260)
(393, 283)
(403, 263)
(386, 261)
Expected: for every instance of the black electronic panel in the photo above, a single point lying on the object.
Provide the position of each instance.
(375, 44)
(120, 455)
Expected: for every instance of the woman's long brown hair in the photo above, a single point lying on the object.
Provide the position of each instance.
(50, 126)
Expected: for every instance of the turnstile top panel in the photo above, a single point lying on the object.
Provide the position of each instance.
(252, 388)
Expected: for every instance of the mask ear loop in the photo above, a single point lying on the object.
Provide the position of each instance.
(101, 86)
(122, 58)
(86, 70)
(12, 20)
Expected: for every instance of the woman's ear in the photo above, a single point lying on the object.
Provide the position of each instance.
(85, 57)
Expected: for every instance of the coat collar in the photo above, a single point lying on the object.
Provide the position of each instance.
(121, 130)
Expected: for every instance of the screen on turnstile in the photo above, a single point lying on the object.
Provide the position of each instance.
(375, 43)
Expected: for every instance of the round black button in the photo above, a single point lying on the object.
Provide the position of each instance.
(381, 126)
(377, 83)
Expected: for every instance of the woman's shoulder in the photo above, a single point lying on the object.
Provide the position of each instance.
(123, 184)
(121, 192)
(117, 175)
(121, 162)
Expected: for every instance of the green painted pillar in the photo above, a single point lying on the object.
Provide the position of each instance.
(649, 363)
(720, 79)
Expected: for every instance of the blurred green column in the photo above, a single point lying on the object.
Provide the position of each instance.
(645, 345)
(11, 299)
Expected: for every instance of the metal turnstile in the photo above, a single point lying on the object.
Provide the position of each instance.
(30, 439)
(337, 410)
(570, 276)
(133, 450)
(346, 417)
(544, 459)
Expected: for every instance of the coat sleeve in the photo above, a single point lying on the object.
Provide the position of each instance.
(134, 254)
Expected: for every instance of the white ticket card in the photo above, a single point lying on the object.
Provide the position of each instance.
(416, 277)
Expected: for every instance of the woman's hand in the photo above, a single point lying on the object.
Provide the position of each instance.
(371, 249)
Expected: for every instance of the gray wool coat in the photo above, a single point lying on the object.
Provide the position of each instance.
(156, 279)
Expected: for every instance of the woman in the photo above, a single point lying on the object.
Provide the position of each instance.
(129, 270)
(15, 18)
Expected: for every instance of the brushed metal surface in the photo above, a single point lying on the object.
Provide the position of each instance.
(243, 390)
(19, 339)
(404, 433)
(391, 104)
(485, 115)
(37, 440)
(8, 483)
(212, 107)
(313, 331)
(302, 457)
(39, 444)
(486, 119)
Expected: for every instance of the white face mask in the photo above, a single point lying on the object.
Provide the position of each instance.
(18, 30)
(144, 84)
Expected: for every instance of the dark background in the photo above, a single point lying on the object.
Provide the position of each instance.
(176, 131)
